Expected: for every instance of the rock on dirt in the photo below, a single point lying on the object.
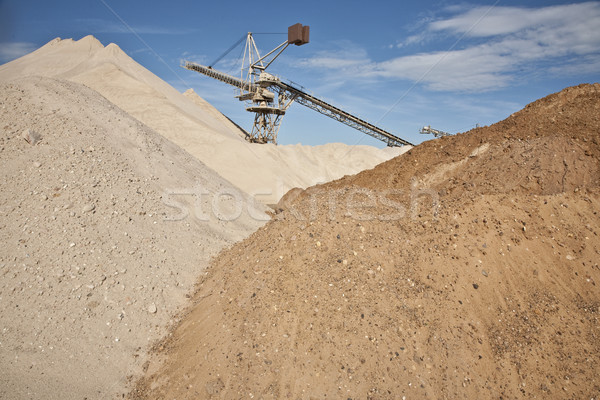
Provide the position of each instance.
(31, 136)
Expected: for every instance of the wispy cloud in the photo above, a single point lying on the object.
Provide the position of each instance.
(10, 51)
(345, 56)
(192, 57)
(499, 46)
(412, 40)
(337, 65)
(511, 20)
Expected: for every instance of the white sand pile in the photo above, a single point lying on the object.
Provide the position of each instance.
(92, 266)
(267, 171)
(105, 225)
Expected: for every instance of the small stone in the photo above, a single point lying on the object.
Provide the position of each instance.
(484, 273)
(152, 308)
(31, 136)
(475, 286)
(318, 244)
(37, 164)
(215, 387)
(570, 257)
(88, 208)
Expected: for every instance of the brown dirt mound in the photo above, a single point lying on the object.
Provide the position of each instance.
(552, 145)
(466, 268)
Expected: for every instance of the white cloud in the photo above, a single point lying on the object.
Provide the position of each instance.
(477, 68)
(412, 40)
(10, 51)
(345, 57)
(192, 57)
(491, 21)
(334, 68)
(495, 47)
(516, 39)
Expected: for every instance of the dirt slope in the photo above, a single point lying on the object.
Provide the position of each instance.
(92, 264)
(466, 268)
(267, 171)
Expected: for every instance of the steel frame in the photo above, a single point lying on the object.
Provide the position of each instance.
(269, 98)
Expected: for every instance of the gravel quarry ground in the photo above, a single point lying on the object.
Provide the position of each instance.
(111, 208)
(465, 268)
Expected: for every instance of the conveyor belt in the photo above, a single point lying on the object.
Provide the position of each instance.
(342, 116)
(220, 76)
(306, 100)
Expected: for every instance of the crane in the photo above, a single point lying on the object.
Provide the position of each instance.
(268, 97)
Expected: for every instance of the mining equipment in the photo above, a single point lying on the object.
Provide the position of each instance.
(437, 133)
(268, 97)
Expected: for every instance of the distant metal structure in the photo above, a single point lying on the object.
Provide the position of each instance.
(269, 98)
(437, 133)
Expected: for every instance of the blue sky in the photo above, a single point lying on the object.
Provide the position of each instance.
(400, 65)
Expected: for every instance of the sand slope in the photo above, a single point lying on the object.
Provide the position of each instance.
(95, 260)
(266, 170)
(467, 268)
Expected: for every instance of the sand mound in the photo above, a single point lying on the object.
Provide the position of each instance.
(96, 254)
(266, 171)
(467, 268)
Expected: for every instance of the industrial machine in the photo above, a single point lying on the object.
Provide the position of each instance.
(437, 133)
(268, 97)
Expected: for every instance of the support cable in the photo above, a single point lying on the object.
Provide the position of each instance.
(227, 52)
